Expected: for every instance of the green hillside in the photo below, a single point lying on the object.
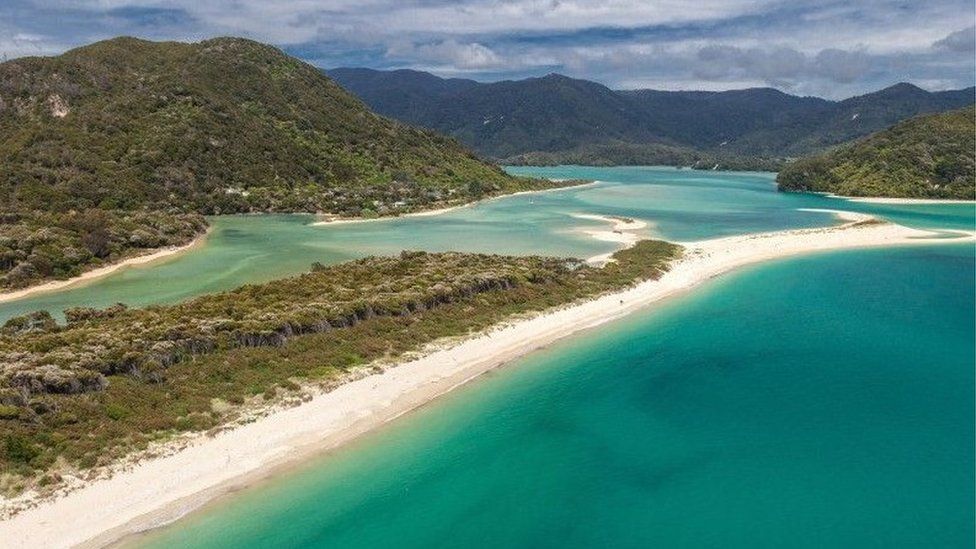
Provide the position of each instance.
(929, 156)
(221, 126)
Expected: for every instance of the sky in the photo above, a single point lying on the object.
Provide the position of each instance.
(827, 48)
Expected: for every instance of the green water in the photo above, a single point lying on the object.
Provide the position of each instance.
(825, 401)
(679, 204)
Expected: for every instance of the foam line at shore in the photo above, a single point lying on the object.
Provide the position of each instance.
(159, 490)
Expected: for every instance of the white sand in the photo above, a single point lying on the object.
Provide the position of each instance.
(889, 200)
(160, 490)
(88, 276)
(626, 232)
(330, 220)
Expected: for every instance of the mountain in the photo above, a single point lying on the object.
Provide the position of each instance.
(500, 119)
(862, 115)
(928, 156)
(739, 121)
(413, 90)
(224, 125)
(126, 135)
(556, 118)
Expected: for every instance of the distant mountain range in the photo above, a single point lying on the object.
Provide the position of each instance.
(554, 118)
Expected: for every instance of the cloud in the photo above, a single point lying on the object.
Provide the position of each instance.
(472, 56)
(772, 64)
(841, 66)
(779, 65)
(961, 41)
(21, 44)
(811, 46)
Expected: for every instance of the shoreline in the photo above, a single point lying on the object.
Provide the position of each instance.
(623, 231)
(903, 201)
(89, 276)
(157, 491)
(438, 211)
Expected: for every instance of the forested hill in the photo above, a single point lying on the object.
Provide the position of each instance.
(223, 125)
(122, 144)
(557, 118)
(929, 156)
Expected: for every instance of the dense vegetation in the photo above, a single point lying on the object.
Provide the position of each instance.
(40, 245)
(629, 154)
(557, 119)
(113, 380)
(222, 126)
(931, 156)
(225, 125)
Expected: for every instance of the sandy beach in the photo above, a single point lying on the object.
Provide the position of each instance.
(89, 276)
(889, 200)
(624, 231)
(333, 221)
(160, 490)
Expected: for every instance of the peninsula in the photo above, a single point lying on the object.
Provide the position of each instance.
(293, 403)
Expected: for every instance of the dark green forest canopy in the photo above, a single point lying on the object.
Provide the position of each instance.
(929, 156)
(112, 380)
(557, 119)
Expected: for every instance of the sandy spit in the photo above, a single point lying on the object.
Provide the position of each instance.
(328, 221)
(890, 200)
(160, 490)
(624, 231)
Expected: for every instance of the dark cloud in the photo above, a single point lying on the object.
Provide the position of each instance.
(841, 66)
(962, 41)
(780, 66)
(773, 64)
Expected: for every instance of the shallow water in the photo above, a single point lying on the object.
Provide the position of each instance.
(679, 205)
(824, 401)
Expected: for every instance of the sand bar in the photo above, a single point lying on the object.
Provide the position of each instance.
(624, 231)
(328, 220)
(906, 201)
(160, 490)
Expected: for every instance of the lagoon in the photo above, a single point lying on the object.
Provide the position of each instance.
(822, 401)
(678, 204)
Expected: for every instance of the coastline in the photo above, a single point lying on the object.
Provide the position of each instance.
(94, 274)
(157, 491)
(624, 231)
(902, 201)
(439, 211)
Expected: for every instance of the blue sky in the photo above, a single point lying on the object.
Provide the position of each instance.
(827, 48)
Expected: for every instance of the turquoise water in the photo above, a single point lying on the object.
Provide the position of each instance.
(679, 204)
(825, 401)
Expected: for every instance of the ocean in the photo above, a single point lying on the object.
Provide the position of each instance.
(822, 401)
(819, 401)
